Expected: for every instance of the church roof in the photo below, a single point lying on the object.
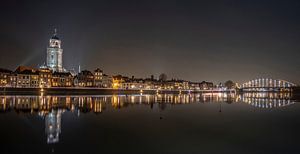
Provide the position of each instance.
(55, 37)
(28, 72)
(25, 68)
(62, 74)
(2, 70)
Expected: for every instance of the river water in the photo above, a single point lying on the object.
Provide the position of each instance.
(162, 123)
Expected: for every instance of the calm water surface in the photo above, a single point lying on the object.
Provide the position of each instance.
(195, 123)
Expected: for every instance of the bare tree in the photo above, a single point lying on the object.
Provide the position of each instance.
(229, 84)
(163, 77)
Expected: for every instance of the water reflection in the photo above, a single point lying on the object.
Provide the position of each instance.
(52, 108)
(44, 105)
(268, 100)
(52, 127)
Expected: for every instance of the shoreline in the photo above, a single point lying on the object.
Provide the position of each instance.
(107, 91)
(83, 91)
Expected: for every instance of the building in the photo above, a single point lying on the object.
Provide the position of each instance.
(62, 79)
(98, 76)
(152, 83)
(133, 83)
(85, 79)
(45, 76)
(54, 54)
(180, 84)
(27, 77)
(13, 78)
(107, 81)
(175, 84)
(4, 77)
(194, 86)
(117, 81)
(206, 85)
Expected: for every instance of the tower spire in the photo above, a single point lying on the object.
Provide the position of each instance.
(55, 31)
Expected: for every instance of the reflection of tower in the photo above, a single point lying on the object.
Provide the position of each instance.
(54, 54)
(53, 126)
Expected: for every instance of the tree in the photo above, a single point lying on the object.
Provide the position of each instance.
(229, 84)
(163, 77)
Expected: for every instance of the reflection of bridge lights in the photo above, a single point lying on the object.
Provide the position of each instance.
(263, 101)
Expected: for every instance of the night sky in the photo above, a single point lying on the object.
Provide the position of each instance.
(192, 40)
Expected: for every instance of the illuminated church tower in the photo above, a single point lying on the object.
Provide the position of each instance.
(54, 54)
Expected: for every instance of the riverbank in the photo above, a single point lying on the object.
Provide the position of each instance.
(93, 91)
(104, 91)
(82, 91)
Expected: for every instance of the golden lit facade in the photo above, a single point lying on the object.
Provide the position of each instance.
(45, 78)
(85, 79)
(98, 77)
(117, 82)
(27, 80)
(12, 82)
(107, 81)
(4, 77)
(62, 79)
(206, 85)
